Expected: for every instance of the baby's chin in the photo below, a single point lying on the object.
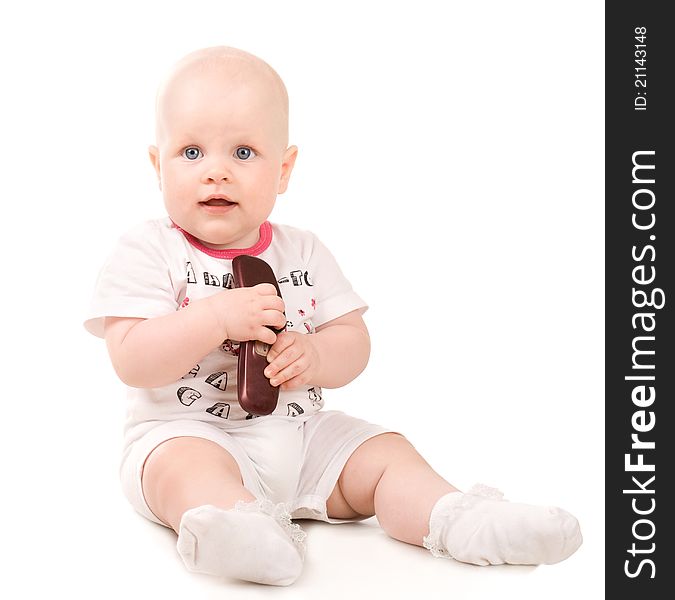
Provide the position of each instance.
(230, 242)
(220, 234)
(224, 245)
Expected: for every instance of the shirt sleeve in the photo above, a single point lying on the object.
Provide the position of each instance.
(134, 282)
(333, 292)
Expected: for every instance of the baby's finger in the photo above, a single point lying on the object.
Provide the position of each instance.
(273, 303)
(284, 340)
(274, 318)
(265, 289)
(296, 382)
(289, 356)
(265, 334)
(294, 370)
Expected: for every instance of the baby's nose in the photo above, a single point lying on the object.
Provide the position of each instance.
(217, 172)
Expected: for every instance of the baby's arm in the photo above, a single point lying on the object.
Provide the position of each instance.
(331, 357)
(155, 352)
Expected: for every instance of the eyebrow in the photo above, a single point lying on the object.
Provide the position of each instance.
(190, 137)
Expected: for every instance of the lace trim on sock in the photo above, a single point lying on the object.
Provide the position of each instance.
(279, 512)
(485, 491)
(447, 511)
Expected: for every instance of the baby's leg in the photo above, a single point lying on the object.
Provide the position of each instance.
(387, 477)
(192, 485)
(187, 472)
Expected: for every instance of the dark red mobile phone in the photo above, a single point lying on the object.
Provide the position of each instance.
(255, 393)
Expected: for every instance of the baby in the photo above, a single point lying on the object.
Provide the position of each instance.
(228, 482)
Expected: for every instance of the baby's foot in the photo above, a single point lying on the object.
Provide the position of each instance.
(254, 541)
(480, 527)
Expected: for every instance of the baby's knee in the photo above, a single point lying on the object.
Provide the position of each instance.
(185, 472)
(176, 455)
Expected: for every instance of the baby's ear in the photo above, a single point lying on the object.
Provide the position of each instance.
(287, 163)
(153, 152)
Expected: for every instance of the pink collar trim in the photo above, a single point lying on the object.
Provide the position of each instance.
(258, 248)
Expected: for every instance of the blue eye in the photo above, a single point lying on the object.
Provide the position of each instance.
(244, 153)
(192, 153)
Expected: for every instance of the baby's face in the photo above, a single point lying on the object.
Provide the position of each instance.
(221, 154)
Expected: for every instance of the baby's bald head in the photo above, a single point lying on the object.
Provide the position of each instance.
(222, 129)
(217, 72)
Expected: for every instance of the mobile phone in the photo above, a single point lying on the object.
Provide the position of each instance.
(255, 393)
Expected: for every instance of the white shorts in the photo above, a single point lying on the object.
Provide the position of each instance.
(282, 459)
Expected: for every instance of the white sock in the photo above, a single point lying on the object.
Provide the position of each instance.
(254, 541)
(482, 528)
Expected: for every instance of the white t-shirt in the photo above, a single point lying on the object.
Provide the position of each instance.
(157, 268)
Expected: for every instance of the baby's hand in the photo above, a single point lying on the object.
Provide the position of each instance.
(293, 359)
(244, 313)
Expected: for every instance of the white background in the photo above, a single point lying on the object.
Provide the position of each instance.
(451, 156)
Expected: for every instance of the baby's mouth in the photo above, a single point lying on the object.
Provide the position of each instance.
(217, 202)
